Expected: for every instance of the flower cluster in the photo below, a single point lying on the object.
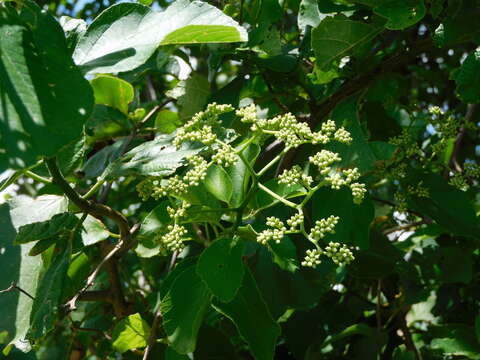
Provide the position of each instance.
(197, 173)
(407, 142)
(276, 232)
(173, 239)
(323, 227)
(199, 128)
(289, 130)
(323, 160)
(339, 253)
(418, 190)
(225, 156)
(157, 187)
(295, 221)
(312, 259)
(294, 176)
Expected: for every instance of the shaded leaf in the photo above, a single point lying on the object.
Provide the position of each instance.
(221, 267)
(45, 229)
(401, 14)
(252, 319)
(183, 309)
(467, 78)
(48, 295)
(336, 37)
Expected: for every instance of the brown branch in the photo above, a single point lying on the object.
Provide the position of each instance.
(471, 110)
(158, 317)
(362, 81)
(96, 295)
(99, 211)
(14, 286)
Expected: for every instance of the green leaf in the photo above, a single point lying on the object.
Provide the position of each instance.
(455, 265)
(93, 231)
(25, 210)
(459, 340)
(353, 227)
(239, 173)
(24, 271)
(131, 332)
(218, 183)
(358, 153)
(252, 319)
(167, 121)
(337, 37)
(183, 22)
(96, 165)
(449, 207)
(45, 229)
(221, 267)
(171, 354)
(191, 94)
(467, 78)
(152, 158)
(111, 91)
(183, 309)
(309, 14)
(401, 14)
(44, 99)
(155, 221)
(47, 299)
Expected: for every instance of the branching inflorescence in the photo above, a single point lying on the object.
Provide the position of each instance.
(321, 171)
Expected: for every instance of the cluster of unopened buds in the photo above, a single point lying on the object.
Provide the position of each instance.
(205, 128)
(288, 129)
(339, 253)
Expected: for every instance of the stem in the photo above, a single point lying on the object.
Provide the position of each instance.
(273, 161)
(36, 177)
(277, 197)
(94, 188)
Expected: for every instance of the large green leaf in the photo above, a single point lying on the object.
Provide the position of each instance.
(467, 78)
(48, 296)
(336, 37)
(44, 99)
(183, 308)
(250, 315)
(125, 35)
(17, 266)
(221, 267)
(130, 333)
(354, 224)
(155, 158)
(22, 269)
(45, 229)
(401, 14)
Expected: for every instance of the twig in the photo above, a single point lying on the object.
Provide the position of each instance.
(14, 286)
(404, 227)
(158, 316)
(472, 108)
(71, 304)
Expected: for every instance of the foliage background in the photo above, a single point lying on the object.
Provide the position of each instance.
(377, 68)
